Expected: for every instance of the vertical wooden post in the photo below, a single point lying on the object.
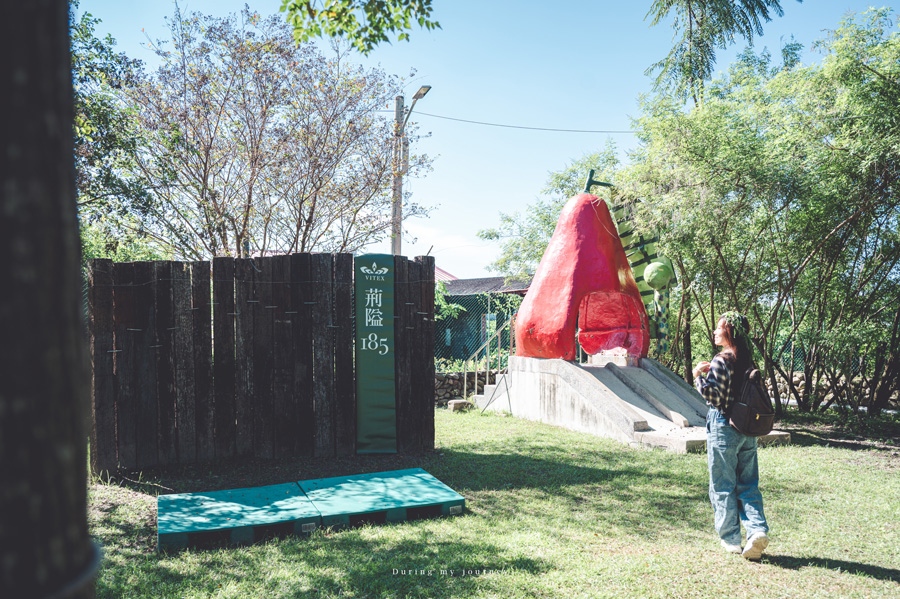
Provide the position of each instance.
(402, 366)
(185, 400)
(263, 431)
(147, 408)
(263, 410)
(427, 333)
(323, 354)
(301, 321)
(123, 310)
(223, 356)
(201, 323)
(284, 412)
(417, 357)
(245, 302)
(164, 348)
(103, 431)
(345, 381)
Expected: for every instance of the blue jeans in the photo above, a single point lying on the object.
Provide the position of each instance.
(733, 480)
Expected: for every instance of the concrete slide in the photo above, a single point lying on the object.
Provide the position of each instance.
(636, 401)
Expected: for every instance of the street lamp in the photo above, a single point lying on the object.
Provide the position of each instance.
(401, 163)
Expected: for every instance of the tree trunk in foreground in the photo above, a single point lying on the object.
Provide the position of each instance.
(44, 542)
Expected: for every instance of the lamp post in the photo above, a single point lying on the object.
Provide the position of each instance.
(401, 164)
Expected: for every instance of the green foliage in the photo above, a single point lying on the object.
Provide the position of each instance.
(443, 308)
(776, 197)
(366, 23)
(106, 142)
(702, 27)
(119, 244)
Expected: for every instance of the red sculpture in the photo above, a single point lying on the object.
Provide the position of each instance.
(583, 284)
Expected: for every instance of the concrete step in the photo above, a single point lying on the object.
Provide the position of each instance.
(493, 393)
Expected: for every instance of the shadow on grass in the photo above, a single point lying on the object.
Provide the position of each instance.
(843, 430)
(123, 518)
(796, 563)
(346, 564)
(803, 437)
(639, 491)
(812, 438)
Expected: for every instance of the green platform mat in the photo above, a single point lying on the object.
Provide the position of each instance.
(242, 516)
(381, 497)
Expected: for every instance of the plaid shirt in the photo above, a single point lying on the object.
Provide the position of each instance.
(715, 387)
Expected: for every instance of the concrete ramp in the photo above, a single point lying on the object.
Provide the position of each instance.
(639, 402)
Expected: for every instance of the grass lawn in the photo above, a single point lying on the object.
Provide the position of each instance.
(549, 513)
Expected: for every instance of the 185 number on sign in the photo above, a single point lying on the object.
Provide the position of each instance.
(374, 343)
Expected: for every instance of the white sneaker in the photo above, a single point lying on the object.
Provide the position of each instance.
(756, 544)
(731, 548)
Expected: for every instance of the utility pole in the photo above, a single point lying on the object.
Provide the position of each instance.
(397, 202)
(401, 164)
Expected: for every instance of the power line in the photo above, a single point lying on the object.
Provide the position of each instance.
(448, 118)
(437, 116)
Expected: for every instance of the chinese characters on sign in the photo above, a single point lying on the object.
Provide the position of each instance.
(374, 317)
(375, 384)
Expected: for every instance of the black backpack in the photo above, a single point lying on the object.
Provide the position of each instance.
(752, 414)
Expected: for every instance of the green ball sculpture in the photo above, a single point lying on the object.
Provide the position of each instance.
(658, 273)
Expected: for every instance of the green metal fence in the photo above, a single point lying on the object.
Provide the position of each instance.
(456, 339)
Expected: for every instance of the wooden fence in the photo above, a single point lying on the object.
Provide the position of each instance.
(252, 357)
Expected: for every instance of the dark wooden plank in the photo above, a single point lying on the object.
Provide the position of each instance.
(185, 401)
(123, 317)
(202, 324)
(223, 356)
(301, 326)
(164, 352)
(263, 410)
(345, 381)
(284, 407)
(402, 329)
(103, 390)
(414, 272)
(426, 314)
(323, 354)
(245, 303)
(147, 405)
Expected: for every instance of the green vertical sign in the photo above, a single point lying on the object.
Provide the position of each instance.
(376, 406)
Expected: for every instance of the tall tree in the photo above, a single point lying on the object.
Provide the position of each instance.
(44, 544)
(701, 27)
(255, 144)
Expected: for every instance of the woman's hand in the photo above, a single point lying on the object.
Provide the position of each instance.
(701, 368)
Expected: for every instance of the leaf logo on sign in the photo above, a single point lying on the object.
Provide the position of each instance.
(374, 270)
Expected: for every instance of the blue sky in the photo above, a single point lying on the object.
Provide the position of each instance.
(578, 64)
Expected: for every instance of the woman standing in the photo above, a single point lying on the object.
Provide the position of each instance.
(733, 468)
